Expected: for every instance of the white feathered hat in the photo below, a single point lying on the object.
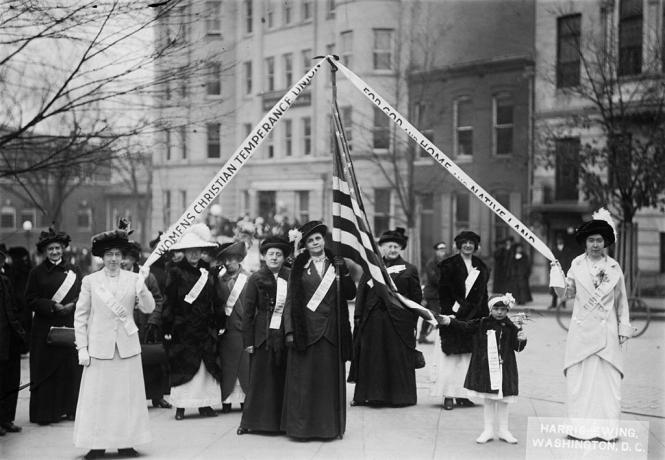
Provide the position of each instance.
(197, 236)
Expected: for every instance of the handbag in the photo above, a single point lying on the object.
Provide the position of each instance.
(60, 336)
(420, 359)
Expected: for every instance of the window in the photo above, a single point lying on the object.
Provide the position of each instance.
(7, 217)
(249, 17)
(247, 69)
(28, 215)
(568, 51)
(420, 118)
(288, 69)
(270, 145)
(381, 210)
(84, 218)
(307, 135)
(381, 130)
(307, 10)
(630, 37)
(303, 206)
(288, 138)
(566, 174)
(183, 200)
(287, 12)
(213, 131)
(213, 79)
(382, 52)
(346, 47)
(462, 211)
(183, 142)
(503, 125)
(306, 60)
(463, 127)
(167, 146)
(213, 18)
(270, 74)
(166, 209)
(270, 14)
(347, 123)
(330, 9)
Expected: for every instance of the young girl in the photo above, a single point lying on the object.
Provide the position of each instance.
(492, 373)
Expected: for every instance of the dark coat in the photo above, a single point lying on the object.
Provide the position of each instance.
(11, 330)
(519, 271)
(54, 371)
(474, 306)
(143, 320)
(478, 376)
(193, 327)
(307, 326)
(432, 276)
(260, 297)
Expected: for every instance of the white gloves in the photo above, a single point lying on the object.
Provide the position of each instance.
(143, 273)
(84, 357)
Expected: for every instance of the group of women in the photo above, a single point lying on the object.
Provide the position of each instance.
(294, 332)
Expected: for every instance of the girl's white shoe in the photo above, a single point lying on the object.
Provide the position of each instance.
(507, 436)
(485, 436)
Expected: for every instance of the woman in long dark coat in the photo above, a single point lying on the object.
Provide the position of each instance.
(315, 381)
(462, 293)
(263, 338)
(385, 342)
(51, 293)
(192, 319)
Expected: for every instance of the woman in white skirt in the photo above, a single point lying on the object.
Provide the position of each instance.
(111, 411)
(599, 326)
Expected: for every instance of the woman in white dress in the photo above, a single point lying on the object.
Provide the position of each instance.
(599, 326)
(111, 411)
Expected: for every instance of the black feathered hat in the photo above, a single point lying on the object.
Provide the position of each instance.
(397, 236)
(113, 239)
(234, 249)
(52, 236)
(595, 227)
(275, 242)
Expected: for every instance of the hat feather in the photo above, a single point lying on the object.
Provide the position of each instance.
(604, 214)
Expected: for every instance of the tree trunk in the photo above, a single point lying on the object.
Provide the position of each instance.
(626, 254)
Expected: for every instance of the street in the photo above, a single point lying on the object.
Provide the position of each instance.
(424, 431)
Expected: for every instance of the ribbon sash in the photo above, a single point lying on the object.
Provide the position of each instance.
(193, 293)
(468, 284)
(64, 288)
(601, 291)
(322, 290)
(117, 309)
(235, 293)
(280, 300)
(395, 269)
(494, 363)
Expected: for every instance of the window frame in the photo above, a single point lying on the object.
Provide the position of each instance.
(378, 52)
(346, 47)
(269, 73)
(385, 126)
(7, 211)
(287, 60)
(307, 10)
(496, 126)
(457, 128)
(288, 137)
(213, 79)
(630, 60)
(248, 81)
(248, 16)
(565, 34)
(287, 12)
(213, 26)
(213, 142)
(307, 135)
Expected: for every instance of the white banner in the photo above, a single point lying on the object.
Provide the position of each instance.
(237, 160)
(446, 162)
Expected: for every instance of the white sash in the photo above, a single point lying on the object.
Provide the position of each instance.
(117, 309)
(468, 284)
(64, 288)
(193, 294)
(396, 269)
(280, 300)
(494, 363)
(322, 290)
(601, 291)
(235, 293)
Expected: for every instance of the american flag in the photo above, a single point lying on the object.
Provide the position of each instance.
(351, 230)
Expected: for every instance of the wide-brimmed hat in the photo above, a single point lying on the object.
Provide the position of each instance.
(197, 236)
(275, 242)
(313, 226)
(595, 227)
(235, 249)
(397, 236)
(467, 235)
(113, 239)
(52, 236)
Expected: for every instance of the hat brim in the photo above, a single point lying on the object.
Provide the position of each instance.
(392, 239)
(322, 229)
(41, 244)
(286, 248)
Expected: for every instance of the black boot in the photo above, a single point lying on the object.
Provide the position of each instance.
(128, 452)
(226, 408)
(95, 453)
(207, 411)
(448, 403)
(179, 413)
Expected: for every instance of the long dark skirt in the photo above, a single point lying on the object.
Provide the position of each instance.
(385, 366)
(55, 379)
(234, 361)
(156, 377)
(311, 396)
(264, 398)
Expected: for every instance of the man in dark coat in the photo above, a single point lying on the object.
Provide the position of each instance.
(12, 343)
(385, 342)
(565, 255)
(462, 293)
(153, 357)
(431, 290)
(21, 266)
(52, 291)
(314, 401)
(502, 258)
(234, 360)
